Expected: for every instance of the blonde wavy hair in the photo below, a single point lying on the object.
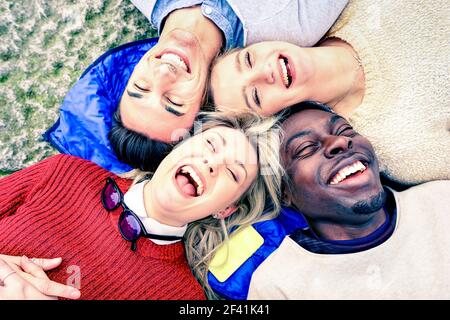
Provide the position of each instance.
(260, 202)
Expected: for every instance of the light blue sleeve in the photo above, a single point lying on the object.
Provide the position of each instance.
(157, 10)
(317, 17)
(218, 11)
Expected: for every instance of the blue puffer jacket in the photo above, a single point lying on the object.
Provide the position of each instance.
(273, 232)
(86, 114)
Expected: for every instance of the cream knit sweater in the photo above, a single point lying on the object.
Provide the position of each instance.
(414, 263)
(405, 51)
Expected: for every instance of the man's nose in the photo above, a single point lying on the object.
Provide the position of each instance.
(335, 145)
(165, 76)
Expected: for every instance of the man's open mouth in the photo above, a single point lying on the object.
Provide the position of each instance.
(189, 181)
(286, 72)
(176, 59)
(348, 172)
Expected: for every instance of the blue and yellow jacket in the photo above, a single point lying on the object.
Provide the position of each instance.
(247, 250)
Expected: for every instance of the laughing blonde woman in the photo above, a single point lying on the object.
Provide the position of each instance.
(119, 241)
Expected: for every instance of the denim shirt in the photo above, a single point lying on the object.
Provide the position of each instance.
(219, 11)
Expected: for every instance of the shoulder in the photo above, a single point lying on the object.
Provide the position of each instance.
(430, 196)
(306, 27)
(68, 159)
(281, 257)
(130, 51)
(67, 165)
(432, 189)
(183, 284)
(267, 281)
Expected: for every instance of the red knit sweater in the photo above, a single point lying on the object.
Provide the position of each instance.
(53, 209)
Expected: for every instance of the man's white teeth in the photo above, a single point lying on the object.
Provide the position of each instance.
(285, 72)
(191, 172)
(175, 59)
(348, 170)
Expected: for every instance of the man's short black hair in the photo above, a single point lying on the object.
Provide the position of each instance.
(136, 149)
(305, 105)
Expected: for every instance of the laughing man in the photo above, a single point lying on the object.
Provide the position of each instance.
(364, 240)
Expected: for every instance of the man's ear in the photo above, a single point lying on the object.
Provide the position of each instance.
(287, 199)
(222, 214)
(286, 195)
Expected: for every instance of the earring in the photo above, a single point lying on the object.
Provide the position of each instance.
(215, 216)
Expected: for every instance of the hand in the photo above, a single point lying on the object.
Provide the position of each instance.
(46, 264)
(29, 280)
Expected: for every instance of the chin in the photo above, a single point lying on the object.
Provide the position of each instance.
(371, 203)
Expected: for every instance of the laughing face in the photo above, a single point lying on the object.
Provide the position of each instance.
(206, 174)
(333, 170)
(265, 77)
(166, 88)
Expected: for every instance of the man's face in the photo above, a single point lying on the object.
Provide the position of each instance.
(166, 88)
(333, 169)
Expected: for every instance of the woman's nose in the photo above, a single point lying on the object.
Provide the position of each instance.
(264, 74)
(211, 166)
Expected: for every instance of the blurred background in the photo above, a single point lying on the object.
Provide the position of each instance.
(44, 47)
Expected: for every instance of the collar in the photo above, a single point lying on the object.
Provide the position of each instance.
(134, 199)
(307, 238)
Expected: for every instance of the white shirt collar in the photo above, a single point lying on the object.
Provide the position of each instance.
(134, 199)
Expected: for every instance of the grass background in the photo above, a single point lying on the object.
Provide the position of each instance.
(44, 47)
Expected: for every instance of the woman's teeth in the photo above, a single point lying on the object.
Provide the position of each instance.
(198, 182)
(175, 59)
(284, 69)
(347, 171)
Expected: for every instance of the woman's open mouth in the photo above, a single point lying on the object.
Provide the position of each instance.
(189, 181)
(175, 58)
(285, 71)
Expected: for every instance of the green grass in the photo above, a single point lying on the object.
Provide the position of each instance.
(44, 48)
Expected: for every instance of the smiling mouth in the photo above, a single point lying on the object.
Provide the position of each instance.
(350, 171)
(286, 73)
(176, 59)
(189, 182)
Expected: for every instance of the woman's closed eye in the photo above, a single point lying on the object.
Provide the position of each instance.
(210, 145)
(248, 60)
(233, 175)
(141, 87)
(172, 105)
(176, 104)
(256, 97)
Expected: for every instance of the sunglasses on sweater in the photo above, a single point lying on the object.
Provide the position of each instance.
(130, 225)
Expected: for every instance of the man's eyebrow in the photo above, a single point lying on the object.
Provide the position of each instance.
(173, 111)
(296, 136)
(134, 94)
(335, 118)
